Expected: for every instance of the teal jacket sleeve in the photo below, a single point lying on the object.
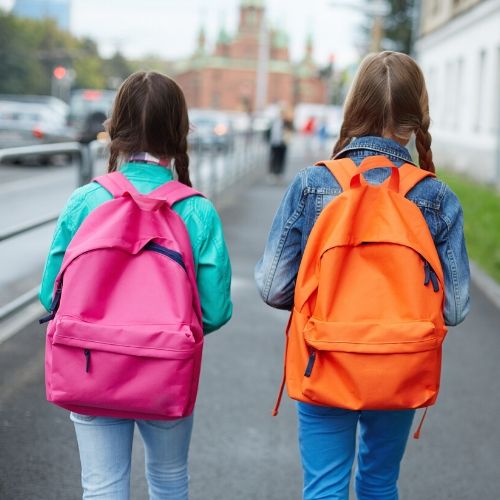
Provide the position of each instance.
(213, 273)
(69, 221)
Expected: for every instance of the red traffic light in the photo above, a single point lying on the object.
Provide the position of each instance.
(60, 72)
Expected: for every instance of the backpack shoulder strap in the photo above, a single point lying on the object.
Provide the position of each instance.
(116, 183)
(342, 169)
(410, 176)
(173, 191)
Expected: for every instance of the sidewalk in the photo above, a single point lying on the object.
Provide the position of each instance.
(239, 452)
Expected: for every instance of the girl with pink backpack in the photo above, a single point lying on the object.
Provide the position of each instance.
(137, 273)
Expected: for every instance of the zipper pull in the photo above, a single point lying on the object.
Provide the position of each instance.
(54, 306)
(310, 364)
(435, 282)
(87, 359)
(427, 270)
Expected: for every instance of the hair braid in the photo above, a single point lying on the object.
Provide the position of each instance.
(113, 159)
(423, 144)
(181, 163)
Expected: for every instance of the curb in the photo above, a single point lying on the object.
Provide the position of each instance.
(486, 284)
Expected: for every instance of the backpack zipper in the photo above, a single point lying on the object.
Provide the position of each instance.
(310, 364)
(86, 352)
(54, 306)
(430, 276)
(172, 254)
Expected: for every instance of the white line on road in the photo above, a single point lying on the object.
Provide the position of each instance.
(18, 321)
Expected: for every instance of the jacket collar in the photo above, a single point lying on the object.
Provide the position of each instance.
(381, 145)
(147, 172)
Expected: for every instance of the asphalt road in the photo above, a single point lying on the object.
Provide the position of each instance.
(238, 450)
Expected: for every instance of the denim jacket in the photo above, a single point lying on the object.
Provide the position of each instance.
(314, 187)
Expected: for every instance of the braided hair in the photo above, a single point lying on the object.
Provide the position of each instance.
(388, 98)
(150, 115)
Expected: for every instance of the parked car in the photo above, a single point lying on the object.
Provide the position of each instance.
(58, 105)
(88, 109)
(28, 123)
(210, 128)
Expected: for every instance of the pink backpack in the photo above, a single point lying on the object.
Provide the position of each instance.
(125, 337)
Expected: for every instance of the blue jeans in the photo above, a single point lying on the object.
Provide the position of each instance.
(105, 446)
(327, 439)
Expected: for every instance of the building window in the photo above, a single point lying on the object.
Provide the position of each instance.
(496, 104)
(480, 90)
(458, 104)
(448, 95)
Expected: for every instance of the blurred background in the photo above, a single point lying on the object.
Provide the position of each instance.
(242, 64)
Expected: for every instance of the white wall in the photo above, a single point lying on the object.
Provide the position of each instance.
(461, 63)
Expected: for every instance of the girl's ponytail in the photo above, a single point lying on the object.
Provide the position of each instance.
(423, 141)
(181, 163)
(113, 159)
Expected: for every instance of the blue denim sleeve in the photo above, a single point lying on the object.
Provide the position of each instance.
(276, 271)
(450, 244)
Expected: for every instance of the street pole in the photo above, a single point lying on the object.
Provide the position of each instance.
(262, 66)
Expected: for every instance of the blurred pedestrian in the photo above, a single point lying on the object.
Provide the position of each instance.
(386, 106)
(309, 131)
(322, 134)
(279, 137)
(148, 132)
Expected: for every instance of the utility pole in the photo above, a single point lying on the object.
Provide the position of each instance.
(262, 65)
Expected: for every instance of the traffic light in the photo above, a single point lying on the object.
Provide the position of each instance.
(60, 72)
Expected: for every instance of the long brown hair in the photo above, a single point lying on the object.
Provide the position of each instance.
(150, 115)
(388, 96)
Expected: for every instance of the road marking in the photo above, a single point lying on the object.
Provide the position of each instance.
(19, 320)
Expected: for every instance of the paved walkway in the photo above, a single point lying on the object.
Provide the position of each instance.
(238, 450)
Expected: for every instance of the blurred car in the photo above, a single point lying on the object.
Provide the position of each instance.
(25, 123)
(210, 128)
(88, 109)
(52, 102)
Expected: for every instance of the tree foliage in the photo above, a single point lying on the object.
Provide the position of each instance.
(31, 49)
(399, 25)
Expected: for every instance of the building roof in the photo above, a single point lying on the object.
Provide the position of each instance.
(253, 3)
(280, 39)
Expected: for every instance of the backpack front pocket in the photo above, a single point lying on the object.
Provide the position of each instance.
(146, 369)
(372, 365)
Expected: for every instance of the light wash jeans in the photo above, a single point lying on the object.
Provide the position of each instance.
(327, 439)
(105, 446)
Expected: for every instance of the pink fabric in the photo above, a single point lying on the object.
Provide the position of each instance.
(127, 338)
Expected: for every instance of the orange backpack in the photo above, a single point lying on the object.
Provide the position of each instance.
(367, 324)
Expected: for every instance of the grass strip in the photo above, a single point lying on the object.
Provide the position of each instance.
(481, 205)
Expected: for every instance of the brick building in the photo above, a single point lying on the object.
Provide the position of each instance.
(226, 78)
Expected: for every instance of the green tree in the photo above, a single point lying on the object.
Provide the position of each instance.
(89, 73)
(399, 25)
(116, 69)
(31, 49)
(20, 67)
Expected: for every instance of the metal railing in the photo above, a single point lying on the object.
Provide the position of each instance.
(214, 168)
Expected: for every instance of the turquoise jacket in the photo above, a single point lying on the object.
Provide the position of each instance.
(211, 259)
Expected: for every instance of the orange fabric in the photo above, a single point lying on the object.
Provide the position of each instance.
(367, 325)
(344, 170)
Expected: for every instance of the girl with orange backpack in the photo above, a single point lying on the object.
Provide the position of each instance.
(368, 253)
(137, 273)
